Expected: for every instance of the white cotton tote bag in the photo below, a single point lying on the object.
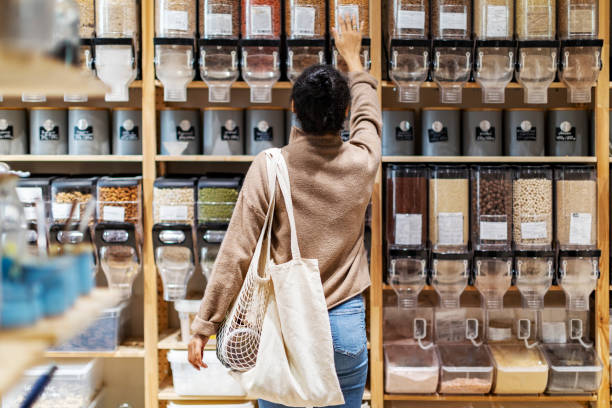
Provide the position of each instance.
(295, 363)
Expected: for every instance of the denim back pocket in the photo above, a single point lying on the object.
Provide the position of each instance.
(348, 329)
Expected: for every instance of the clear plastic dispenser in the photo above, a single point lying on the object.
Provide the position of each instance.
(339, 63)
(218, 45)
(407, 274)
(534, 275)
(493, 276)
(210, 236)
(115, 47)
(174, 66)
(360, 12)
(449, 209)
(536, 68)
(119, 253)
(452, 66)
(449, 277)
(306, 27)
(578, 274)
(261, 23)
(174, 257)
(409, 48)
(87, 68)
(574, 369)
(532, 201)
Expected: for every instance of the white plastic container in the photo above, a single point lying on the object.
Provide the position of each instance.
(214, 381)
(73, 385)
(244, 405)
(187, 309)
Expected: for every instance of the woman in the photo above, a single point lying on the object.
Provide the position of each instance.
(331, 186)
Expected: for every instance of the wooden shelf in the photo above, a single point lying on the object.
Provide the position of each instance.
(473, 289)
(133, 349)
(470, 85)
(235, 85)
(203, 158)
(171, 341)
(31, 158)
(492, 398)
(23, 347)
(488, 159)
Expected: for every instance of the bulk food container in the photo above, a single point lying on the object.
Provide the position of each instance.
(359, 10)
(218, 46)
(398, 132)
(119, 249)
(116, 46)
(492, 276)
(451, 19)
(482, 133)
(406, 326)
(87, 23)
(409, 48)
(72, 385)
(120, 199)
(127, 131)
(449, 209)
(561, 325)
(215, 380)
(578, 19)
(441, 132)
(174, 201)
(48, 131)
(494, 19)
(105, 334)
(223, 131)
(13, 131)
(180, 132)
(518, 369)
(210, 235)
(573, 369)
(265, 128)
(243, 405)
(576, 207)
(525, 132)
(33, 190)
(306, 27)
(85, 60)
(449, 277)
(174, 257)
(534, 274)
(494, 60)
(578, 274)
(568, 132)
(535, 20)
(532, 207)
(411, 370)
(407, 274)
(175, 18)
(464, 369)
(187, 311)
(217, 198)
(406, 198)
(65, 191)
(88, 131)
(491, 208)
(512, 324)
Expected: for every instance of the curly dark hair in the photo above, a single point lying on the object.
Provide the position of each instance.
(320, 98)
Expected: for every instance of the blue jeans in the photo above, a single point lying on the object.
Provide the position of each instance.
(350, 352)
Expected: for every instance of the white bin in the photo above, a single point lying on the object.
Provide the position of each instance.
(212, 381)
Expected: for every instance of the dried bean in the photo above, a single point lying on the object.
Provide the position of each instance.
(216, 204)
(357, 8)
(261, 18)
(128, 198)
(214, 18)
(175, 18)
(408, 18)
(494, 19)
(451, 19)
(305, 19)
(535, 19)
(532, 208)
(491, 203)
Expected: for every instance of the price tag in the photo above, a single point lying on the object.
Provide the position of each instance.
(173, 212)
(350, 11)
(61, 211)
(29, 194)
(218, 24)
(580, 229)
(453, 21)
(497, 21)
(261, 20)
(493, 231)
(114, 214)
(176, 20)
(304, 21)
(450, 228)
(408, 19)
(533, 230)
(30, 213)
(408, 229)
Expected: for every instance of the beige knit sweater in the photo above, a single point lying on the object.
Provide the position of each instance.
(331, 186)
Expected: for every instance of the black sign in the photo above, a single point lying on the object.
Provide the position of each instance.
(228, 135)
(436, 137)
(266, 136)
(7, 134)
(561, 136)
(48, 135)
(485, 136)
(128, 135)
(185, 135)
(525, 135)
(83, 134)
(404, 135)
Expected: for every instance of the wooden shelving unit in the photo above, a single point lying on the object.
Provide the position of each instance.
(126, 350)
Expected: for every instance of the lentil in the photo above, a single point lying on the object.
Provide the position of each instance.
(261, 18)
(216, 204)
(119, 203)
(86, 17)
(308, 16)
(175, 18)
(576, 212)
(451, 19)
(578, 19)
(215, 21)
(406, 207)
(532, 208)
(535, 19)
(448, 212)
(358, 8)
(408, 18)
(494, 19)
(173, 205)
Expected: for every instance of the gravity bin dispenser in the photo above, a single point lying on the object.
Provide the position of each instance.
(218, 46)
(494, 67)
(87, 68)
(536, 68)
(174, 257)
(359, 13)
(579, 67)
(210, 236)
(306, 28)
(261, 47)
(578, 275)
(534, 276)
(119, 254)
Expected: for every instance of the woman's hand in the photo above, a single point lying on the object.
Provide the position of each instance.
(348, 43)
(196, 351)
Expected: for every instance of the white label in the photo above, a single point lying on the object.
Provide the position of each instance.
(176, 20)
(553, 332)
(493, 231)
(407, 19)
(450, 228)
(453, 21)
(116, 214)
(304, 21)
(408, 229)
(580, 229)
(350, 11)
(173, 212)
(218, 24)
(261, 20)
(497, 21)
(533, 230)
(61, 211)
(30, 213)
(29, 194)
